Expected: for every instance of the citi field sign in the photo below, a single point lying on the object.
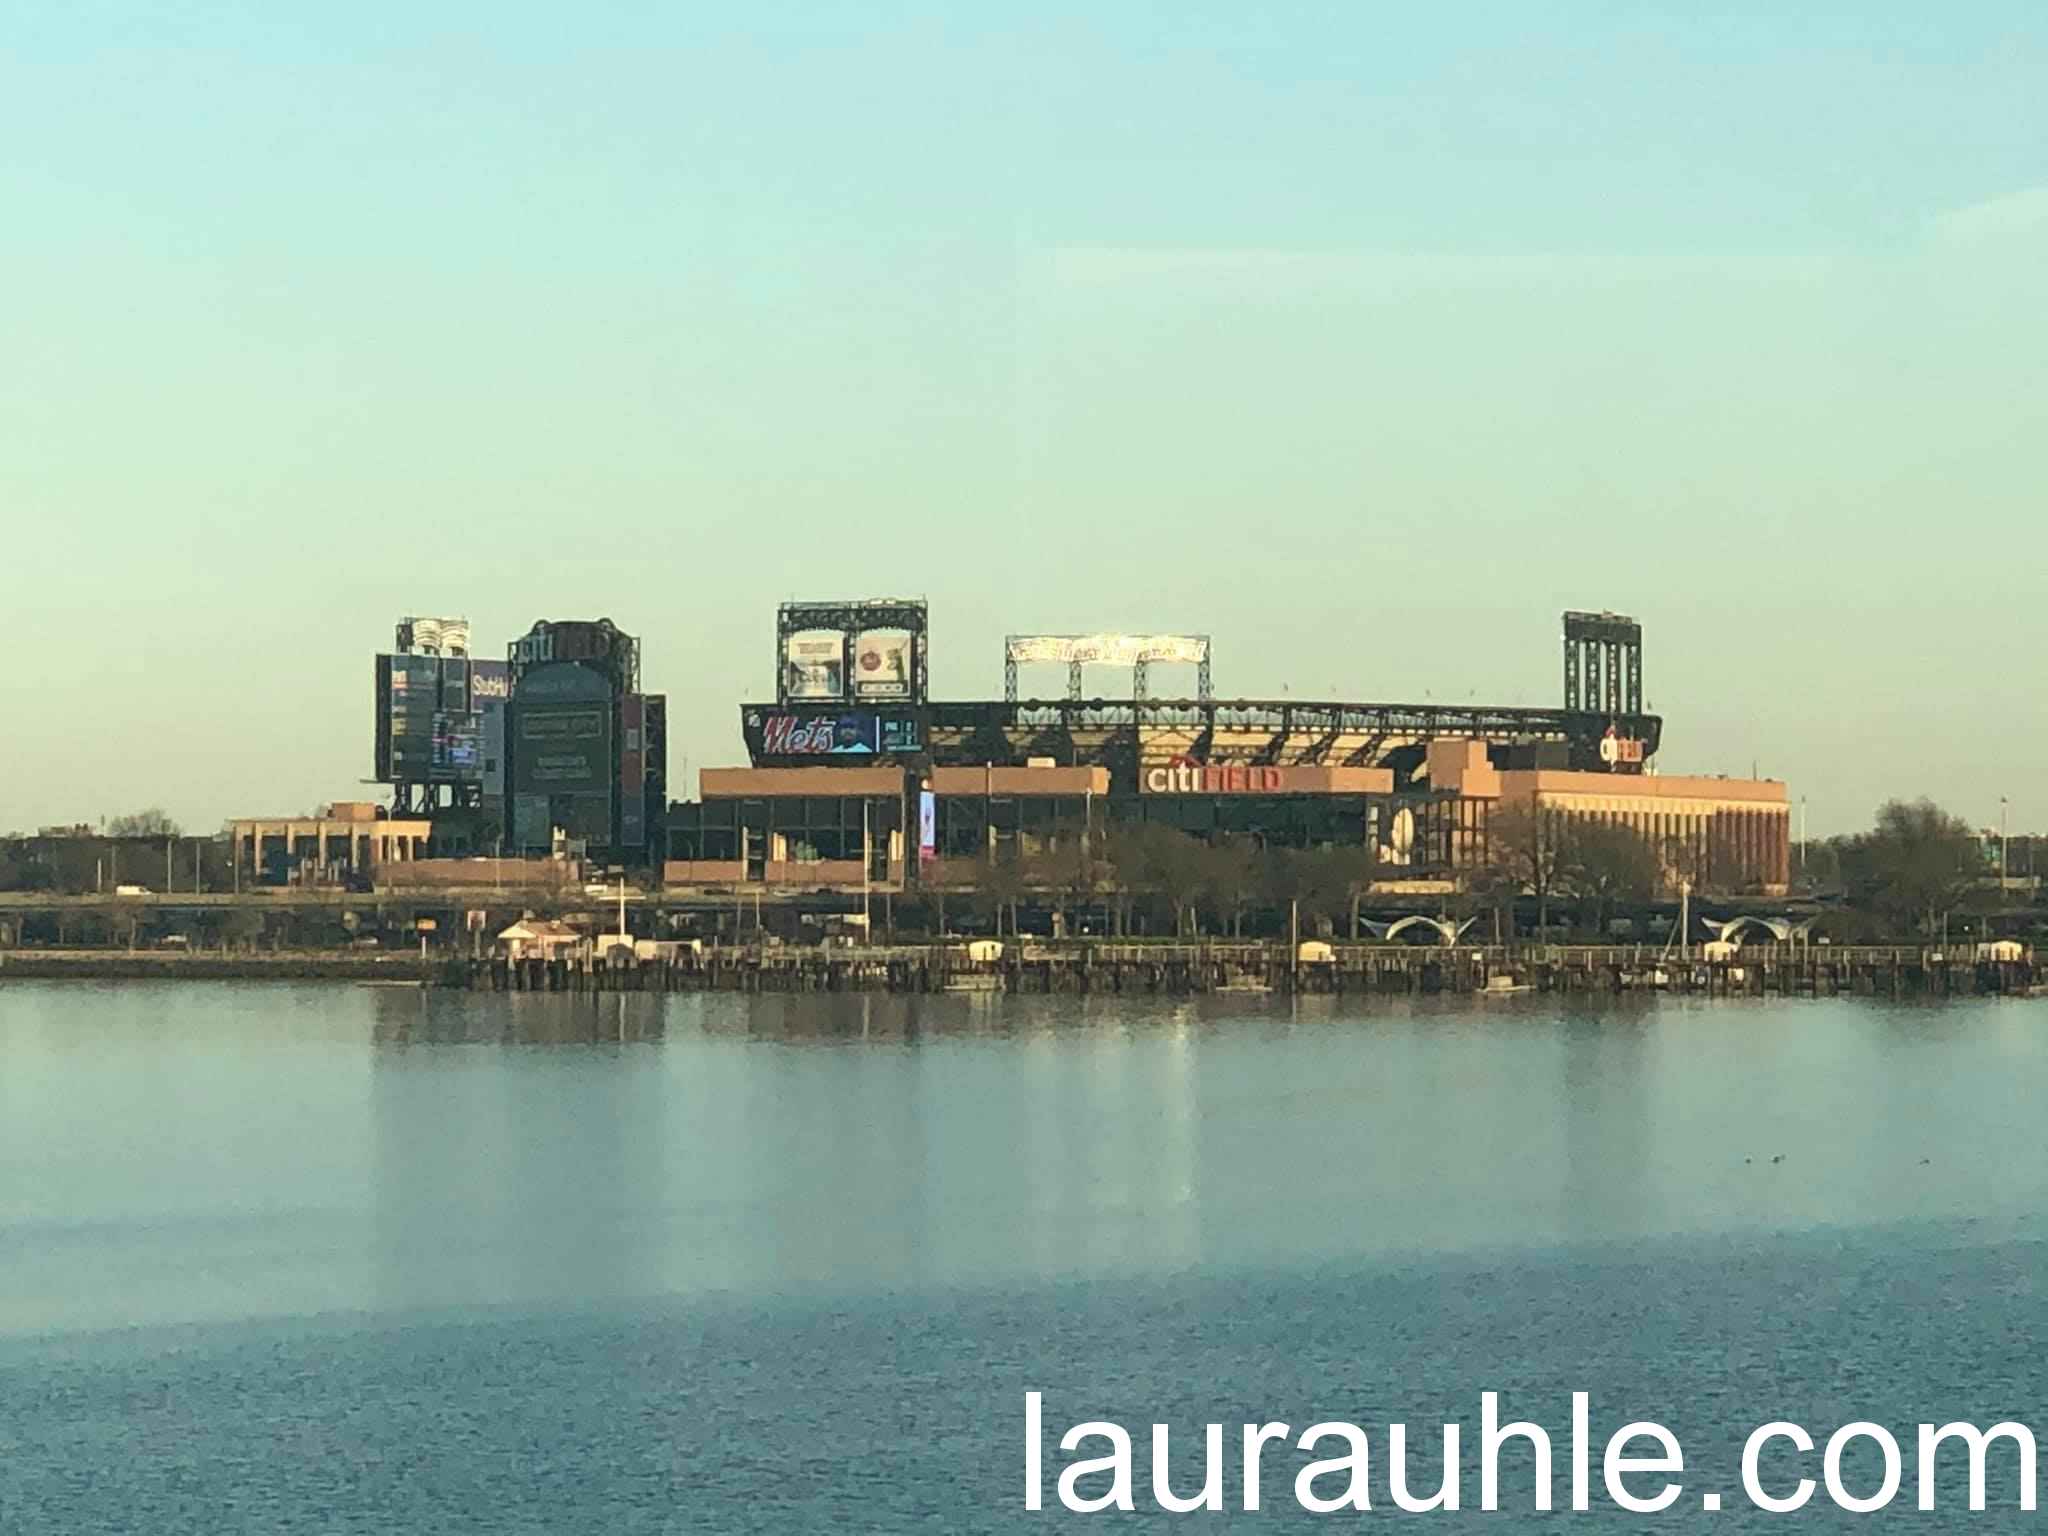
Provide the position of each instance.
(1182, 777)
(1616, 748)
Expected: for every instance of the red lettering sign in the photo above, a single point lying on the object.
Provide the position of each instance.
(1182, 774)
(789, 736)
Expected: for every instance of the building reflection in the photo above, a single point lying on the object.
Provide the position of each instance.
(425, 1016)
(1608, 1093)
(514, 1176)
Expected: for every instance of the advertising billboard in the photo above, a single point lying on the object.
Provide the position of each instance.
(1617, 749)
(856, 733)
(490, 682)
(814, 667)
(428, 732)
(561, 750)
(882, 665)
(1181, 776)
(632, 771)
(1107, 650)
(458, 748)
(657, 751)
(492, 717)
(560, 731)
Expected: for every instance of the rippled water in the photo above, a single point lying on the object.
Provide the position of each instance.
(378, 1259)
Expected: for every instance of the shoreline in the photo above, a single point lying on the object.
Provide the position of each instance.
(147, 965)
(1081, 967)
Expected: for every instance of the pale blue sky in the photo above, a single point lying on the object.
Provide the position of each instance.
(1363, 338)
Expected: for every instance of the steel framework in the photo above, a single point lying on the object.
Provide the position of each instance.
(849, 620)
(432, 637)
(1138, 652)
(1603, 664)
(1118, 733)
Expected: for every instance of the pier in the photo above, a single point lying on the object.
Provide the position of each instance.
(1081, 967)
(1087, 966)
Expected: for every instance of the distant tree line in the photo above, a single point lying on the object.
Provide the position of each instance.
(153, 822)
(1911, 871)
(1908, 875)
(1156, 880)
(126, 849)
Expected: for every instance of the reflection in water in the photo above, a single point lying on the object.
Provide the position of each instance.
(433, 1016)
(1606, 1091)
(495, 1181)
(307, 1148)
(756, 1263)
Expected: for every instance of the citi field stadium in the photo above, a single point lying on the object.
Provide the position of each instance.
(855, 774)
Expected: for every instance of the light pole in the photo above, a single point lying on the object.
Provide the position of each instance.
(2004, 848)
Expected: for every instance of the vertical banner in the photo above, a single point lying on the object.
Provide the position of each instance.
(927, 826)
(632, 780)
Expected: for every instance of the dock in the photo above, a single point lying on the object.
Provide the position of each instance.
(1081, 967)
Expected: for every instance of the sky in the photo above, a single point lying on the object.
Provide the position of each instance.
(1364, 339)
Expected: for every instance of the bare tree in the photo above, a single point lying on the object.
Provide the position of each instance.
(1529, 848)
(1682, 861)
(1232, 877)
(1001, 886)
(1330, 883)
(1290, 878)
(1818, 866)
(1349, 871)
(948, 877)
(1063, 871)
(1915, 865)
(1608, 864)
(1162, 864)
(154, 822)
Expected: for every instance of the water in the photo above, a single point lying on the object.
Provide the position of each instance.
(376, 1259)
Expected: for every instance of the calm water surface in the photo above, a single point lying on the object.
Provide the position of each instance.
(378, 1259)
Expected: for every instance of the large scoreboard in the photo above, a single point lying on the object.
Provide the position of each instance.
(435, 720)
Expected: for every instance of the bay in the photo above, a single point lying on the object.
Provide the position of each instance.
(333, 1258)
